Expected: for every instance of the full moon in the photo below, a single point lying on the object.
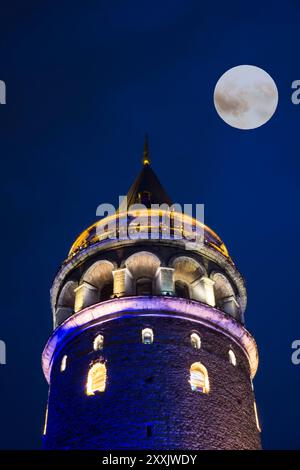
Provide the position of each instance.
(246, 97)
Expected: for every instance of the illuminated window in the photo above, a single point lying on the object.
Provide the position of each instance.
(199, 378)
(46, 421)
(256, 417)
(63, 364)
(144, 286)
(195, 341)
(232, 358)
(147, 336)
(98, 342)
(96, 380)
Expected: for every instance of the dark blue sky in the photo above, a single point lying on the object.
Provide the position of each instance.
(85, 80)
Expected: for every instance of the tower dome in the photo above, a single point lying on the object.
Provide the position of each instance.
(149, 348)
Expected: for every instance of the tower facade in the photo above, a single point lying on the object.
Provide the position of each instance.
(149, 349)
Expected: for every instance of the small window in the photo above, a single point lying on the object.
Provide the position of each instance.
(232, 357)
(182, 289)
(63, 364)
(199, 378)
(46, 422)
(96, 381)
(195, 341)
(147, 336)
(149, 430)
(144, 286)
(256, 418)
(98, 343)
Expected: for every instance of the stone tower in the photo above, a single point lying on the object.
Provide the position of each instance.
(149, 349)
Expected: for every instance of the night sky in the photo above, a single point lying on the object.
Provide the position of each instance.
(85, 81)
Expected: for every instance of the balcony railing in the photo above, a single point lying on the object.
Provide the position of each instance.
(152, 225)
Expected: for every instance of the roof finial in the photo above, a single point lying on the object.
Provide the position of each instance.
(146, 154)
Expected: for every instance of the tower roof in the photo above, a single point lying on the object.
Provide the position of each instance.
(147, 188)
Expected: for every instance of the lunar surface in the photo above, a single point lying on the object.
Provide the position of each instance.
(246, 97)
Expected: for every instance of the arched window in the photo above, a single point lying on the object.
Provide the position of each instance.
(63, 364)
(225, 296)
(106, 291)
(182, 289)
(46, 422)
(66, 297)
(147, 336)
(98, 342)
(141, 270)
(256, 418)
(96, 380)
(232, 357)
(144, 286)
(199, 378)
(96, 284)
(195, 341)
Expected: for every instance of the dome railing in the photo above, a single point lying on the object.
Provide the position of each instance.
(149, 224)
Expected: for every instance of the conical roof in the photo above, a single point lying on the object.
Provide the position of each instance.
(147, 188)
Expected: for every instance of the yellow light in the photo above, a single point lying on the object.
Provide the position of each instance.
(256, 417)
(46, 421)
(199, 378)
(63, 364)
(96, 381)
(82, 240)
(232, 357)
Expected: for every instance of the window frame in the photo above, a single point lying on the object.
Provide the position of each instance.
(146, 331)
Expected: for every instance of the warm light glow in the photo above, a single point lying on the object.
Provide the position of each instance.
(98, 342)
(232, 357)
(46, 421)
(256, 417)
(88, 236)
(96, 380)
(199, 378)
(147, 336)
(63, 364)
(195, 341)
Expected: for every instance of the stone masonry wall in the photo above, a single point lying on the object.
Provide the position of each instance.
(148, 402)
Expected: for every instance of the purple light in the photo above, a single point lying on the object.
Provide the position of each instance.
(161, 306)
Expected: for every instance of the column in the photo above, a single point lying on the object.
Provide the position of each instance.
(203, 290)
(123, 282)
(165, 281)
(230, 305)
(85, 295)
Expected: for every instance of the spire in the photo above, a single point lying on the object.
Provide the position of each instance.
(146, 153)
(147, 188)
